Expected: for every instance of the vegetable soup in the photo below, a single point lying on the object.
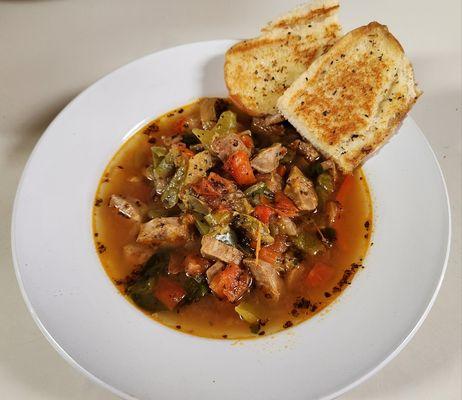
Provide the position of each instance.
(224, 225)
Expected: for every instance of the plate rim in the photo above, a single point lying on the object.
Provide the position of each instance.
(57, 347)
(430, 304)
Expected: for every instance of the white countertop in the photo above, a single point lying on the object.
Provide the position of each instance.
(51, 50)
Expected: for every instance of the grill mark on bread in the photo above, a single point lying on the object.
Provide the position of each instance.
(310, 17)
(351, 99)
(259, 70)
(345, 116)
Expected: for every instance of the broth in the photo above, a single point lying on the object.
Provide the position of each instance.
(210, 316)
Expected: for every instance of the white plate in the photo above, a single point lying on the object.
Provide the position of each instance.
(84, 317)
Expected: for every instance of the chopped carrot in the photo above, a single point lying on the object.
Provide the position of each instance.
(169, 292)
(284, 206)
(231, 283)
(238, 165)
(263, 213)
(281, 170)
(345, 189)
(319, 275)
(248, 142)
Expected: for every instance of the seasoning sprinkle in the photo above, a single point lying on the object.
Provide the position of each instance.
(287, 324)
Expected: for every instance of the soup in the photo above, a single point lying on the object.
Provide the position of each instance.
(222, 225)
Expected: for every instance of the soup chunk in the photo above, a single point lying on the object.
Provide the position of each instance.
(226, 226)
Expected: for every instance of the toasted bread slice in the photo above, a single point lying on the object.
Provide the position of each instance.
(352, 98)
(258, 71)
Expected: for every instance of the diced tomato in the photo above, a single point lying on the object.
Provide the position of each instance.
(185, 152)
(195, 265)
(179, 125)
(345, 189)
(269, 255)
(211, 189)
(238, 165)
(281, 170)
(284, 206)
(248, 141)
(169, 292)
(280, 244)
(205, 188)
(223, 207)
(273, 253)
(319, 275)
(264, 200)
(263, 213)
(188, 153)
(230, 283)
(175, 263)
(222, 185)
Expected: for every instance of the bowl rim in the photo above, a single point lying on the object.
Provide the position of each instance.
(124, 395)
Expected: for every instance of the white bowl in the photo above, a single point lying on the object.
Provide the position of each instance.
(93, 327)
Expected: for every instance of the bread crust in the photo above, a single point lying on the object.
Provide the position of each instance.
(258, 71)
(351, 100)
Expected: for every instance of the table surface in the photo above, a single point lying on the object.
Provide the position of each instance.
(52, 50)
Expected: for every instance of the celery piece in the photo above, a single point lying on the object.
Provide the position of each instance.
(246, 312)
